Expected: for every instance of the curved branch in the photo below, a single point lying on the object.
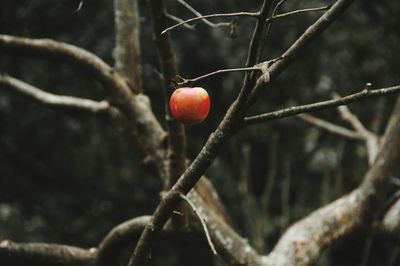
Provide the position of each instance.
(304, 241)
(46, 98)
(136, 108)
(118, 238)
(198, 14)
(236, 14)
(71, 53)
(39, 254)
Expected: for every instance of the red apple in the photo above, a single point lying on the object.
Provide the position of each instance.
(189, 105)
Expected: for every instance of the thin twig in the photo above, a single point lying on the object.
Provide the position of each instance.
(297, 47)
(179, 20)
(236, 14)
(241, 69)
(328, 126)
(267, 32)
(53, 99)
(274, 17)
(319, 105)
(202, 221)
(197, 13)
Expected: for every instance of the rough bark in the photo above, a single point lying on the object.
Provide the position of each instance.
(127, 49)
(136, 108)
(38, 254)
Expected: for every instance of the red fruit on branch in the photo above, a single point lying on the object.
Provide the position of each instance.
(190, 105)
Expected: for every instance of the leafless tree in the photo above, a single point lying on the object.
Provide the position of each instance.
(186, 189)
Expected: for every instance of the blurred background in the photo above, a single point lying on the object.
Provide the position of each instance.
(69, 177)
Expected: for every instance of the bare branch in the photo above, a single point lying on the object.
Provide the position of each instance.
(268, 30)
(371, 140)
(228, 126)
(176, 160)
(35, 254)
(46, 98)
(320, 105)
(179, 20)
(71, 53)
(127, 49)
(236, 14)
(227, 70)
(234, 249)
(304, 241)
(136, 108)
(118, 238)
(353, 120)
(391, 221)
(314, 30)
(275, 17)
(335, 129)
(202, 221)
(198, 14)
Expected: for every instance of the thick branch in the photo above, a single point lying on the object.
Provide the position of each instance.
(38, 254)
(390, 224)
(136, 108)
(320, 105)
(71, 53)
(127, 49)
(62, 101)
(304, 241)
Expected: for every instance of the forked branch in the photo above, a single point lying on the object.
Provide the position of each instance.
(228, 126)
